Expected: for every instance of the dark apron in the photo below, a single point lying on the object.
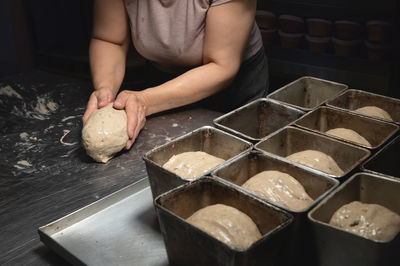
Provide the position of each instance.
(250, 83)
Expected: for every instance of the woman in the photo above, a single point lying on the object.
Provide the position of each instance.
(211, 50)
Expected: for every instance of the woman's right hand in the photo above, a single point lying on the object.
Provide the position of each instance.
(98, 99)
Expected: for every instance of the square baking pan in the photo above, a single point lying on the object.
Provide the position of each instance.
(316, 184)
(188, 245)
(292, 139)
(322, 119)
(385, 161)
(119, 229)
(307, 93)
(354, 99)
(207, 139)
(257, 119)
(339, 247)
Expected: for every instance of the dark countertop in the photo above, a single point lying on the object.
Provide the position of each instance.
(43, 176)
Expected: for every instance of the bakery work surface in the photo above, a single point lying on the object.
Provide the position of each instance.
(46, 174)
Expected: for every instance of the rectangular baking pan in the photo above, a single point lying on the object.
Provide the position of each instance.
(120, 229)
(385, 161)
(207, 139)
(317, 185)
(307, 93)
(188, 245)
(322, 119)
(257, 119)
(292, 139)
(338, 247)
(354, 99)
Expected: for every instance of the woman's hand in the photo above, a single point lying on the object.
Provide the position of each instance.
(135, 108)
(98, 99)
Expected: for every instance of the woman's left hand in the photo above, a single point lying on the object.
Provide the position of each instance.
(135, 108)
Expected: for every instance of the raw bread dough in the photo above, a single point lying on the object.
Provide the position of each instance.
(371, 221)
(189, 165)
(349, 134)
(226, 224)
(280, 188)
(104, 133)
(374, 111)
(317, 160)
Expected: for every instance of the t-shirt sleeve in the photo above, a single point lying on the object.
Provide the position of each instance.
(218, 2)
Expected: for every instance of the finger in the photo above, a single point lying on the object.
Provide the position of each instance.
(91, 106)
(104, 97)
(121, 100)
(141, 122)
(131, 109)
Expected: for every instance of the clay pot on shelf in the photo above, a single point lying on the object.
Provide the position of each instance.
(291, 24)
(379, 31)
(347, 30)
(268, 36)
(377, 52)
(318, 44)
(266, 19)
(317, 27)
(346, 48)
(290, 40)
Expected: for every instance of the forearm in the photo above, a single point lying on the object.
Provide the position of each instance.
(187, 88)
(107, 64)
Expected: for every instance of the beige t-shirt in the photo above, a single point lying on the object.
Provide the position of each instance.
(170, 33)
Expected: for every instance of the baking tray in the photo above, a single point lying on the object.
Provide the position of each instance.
(354, 99)
(339, 247)
(307, 93)
(257, 119)
(207, 139)
(385, 161)
(120, 229)
(317, 185)
(293, 139)
(322, 119)
(188, 245)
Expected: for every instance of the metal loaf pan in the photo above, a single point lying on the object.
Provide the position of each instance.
(307, 93)
(339, 247)
(385, 161)
(238, 171)
(207, 139)
(291, 139)
(324, 118)
(188, 245)
(354, 99)
(257, 119)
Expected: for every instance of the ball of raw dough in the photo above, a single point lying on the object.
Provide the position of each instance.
(374, 111)
(226, 224)
(348, 134)
(281, 188)
(317, 160)
(104, 133)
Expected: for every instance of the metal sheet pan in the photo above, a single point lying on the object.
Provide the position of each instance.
(120, 229)
(385, 161)
(258, 119)
(339, 247)
(354, 99)
(293, 139)
(307, 93)
(322, 119)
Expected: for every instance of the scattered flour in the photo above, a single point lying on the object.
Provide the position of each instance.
(10, 92)
(174, 124)
(68, 118)
(22, 164)
(40, 110)
(66, 131)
